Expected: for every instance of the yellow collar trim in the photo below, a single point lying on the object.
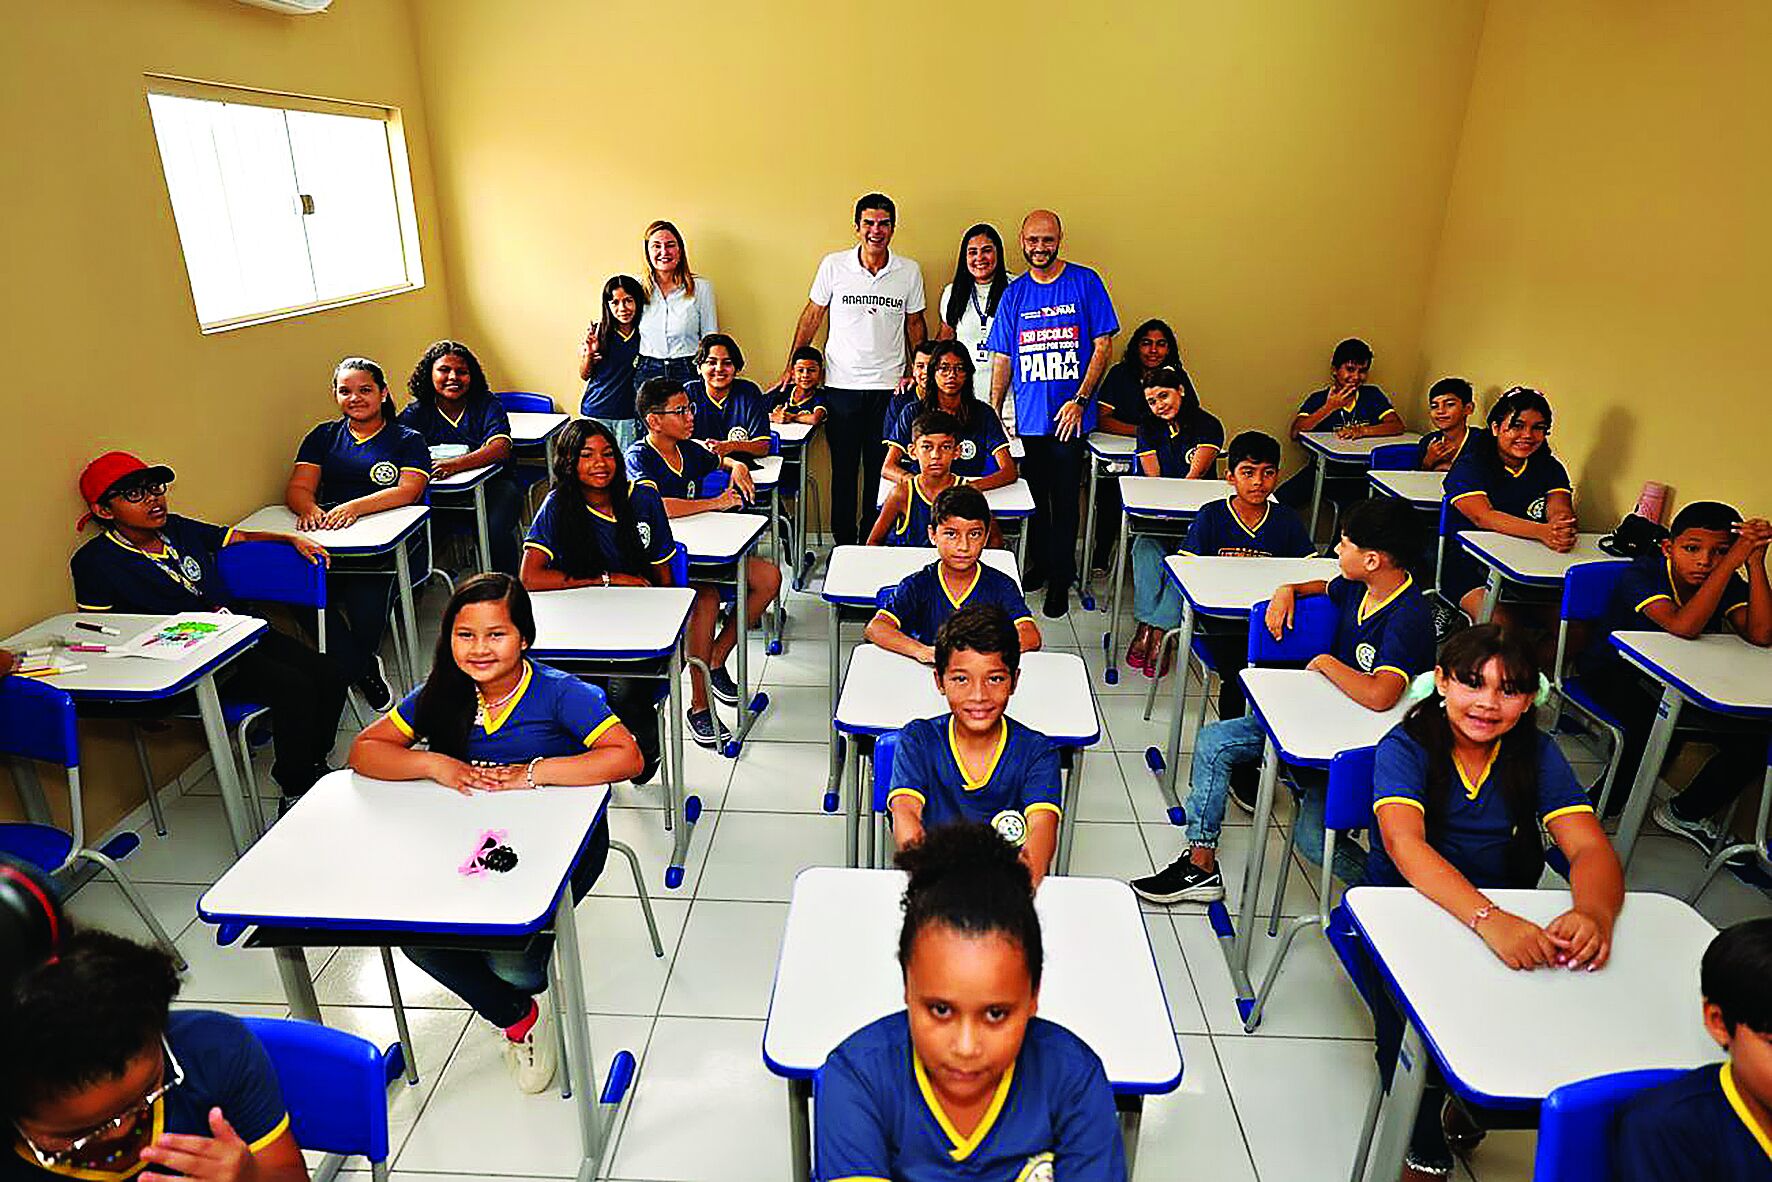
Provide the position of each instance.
(1516, 471)
(990, 769)
(977, 573)
(709, 391)
(676, 469)
(601, 516)
(456, 421)
(168, 554)
(962, 1146)
(1369, 609)
(1733, 1095)
(360, 439)
(494, 721)
(98, 1175)
(1471, 789)
(1267, 507)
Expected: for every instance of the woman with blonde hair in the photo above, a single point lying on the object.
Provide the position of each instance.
(679, 308)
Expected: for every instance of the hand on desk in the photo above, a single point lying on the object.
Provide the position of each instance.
(1520, 943)
(467, 778)
(318, 518)
(1583, 942)
(1559, 534)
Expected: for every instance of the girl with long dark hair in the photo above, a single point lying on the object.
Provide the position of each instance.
(609, 359)
(1124, 410)
(981, 456)
(969, 302)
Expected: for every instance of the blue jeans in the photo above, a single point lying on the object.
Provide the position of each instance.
(681, 368)
(626, 430)
(1220, 747)
(1155, 598)
(1307, 831)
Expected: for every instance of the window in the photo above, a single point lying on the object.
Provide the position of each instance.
(284, 204)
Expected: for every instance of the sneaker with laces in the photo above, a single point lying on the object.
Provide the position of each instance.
(721, 685)
(532, 1058)
(1704, 832)
(1180, 882)
(705, 729)
(373, 685)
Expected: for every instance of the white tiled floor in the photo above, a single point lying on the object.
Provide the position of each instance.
(1281, 1105)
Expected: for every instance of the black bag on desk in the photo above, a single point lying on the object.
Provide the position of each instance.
(1634, 537)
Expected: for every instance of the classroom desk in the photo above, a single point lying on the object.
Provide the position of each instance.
(392, 853)
(530, 428)
(766, 476)
(793, 441)
(718, 543)
(1424, 490)
(838, 971)
(113, 677)
(1155, 500)
(628, 632)
(1308, 723)
(1507, 1039)
(853, 583)
(1109, 455)
(1224, 589)
(472, 482)
(883, 691)
(1719, 672)
(1327, 448)
(1525, 561)
(1008, 502)
(378, 533)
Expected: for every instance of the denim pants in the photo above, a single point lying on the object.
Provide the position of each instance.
(626, 430)
(680, 368)
(499, 985)
(1155, 599)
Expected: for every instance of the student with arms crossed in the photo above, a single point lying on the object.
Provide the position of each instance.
(1713, 1124)
(1348, 406)
(966, 1082)
(104, 1081)
(981, 456)
(1460, 788)
(492, 720)
(1450, 402)
(977, 763)
(151, 561)
(731, 414)
(609, 358)
(1384, 636)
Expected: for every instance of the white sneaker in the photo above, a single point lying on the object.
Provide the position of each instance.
(532, 1059)
(1704, 833)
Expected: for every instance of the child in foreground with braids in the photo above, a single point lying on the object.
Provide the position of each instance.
(966, 1081)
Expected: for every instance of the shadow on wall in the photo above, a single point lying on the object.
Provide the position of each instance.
(1609, 450)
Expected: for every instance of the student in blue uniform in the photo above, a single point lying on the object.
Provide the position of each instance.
(360, 463)
(1122, 410)
(610, 358)
(1709, 574)
(802, 400)
(1713, 1124)
(104, 1081)
(453, 405)
(975, 763)
(981, 450)
(1450, 402)
(731, 413)
(1507, 482)
(966, 1082)
(151, 561)
(1384, 636)
(1460, 789)
(910, 390)
(1353, 409)
(904, 514)
(598, 529)
(492, 720)
(914, 611)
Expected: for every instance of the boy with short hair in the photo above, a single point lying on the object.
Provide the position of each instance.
(959, 529)
(1353, 409)
(802, 399)
(976, 764)
(912, 388)
(731, 413)
(1384, 637)
(1711, 572)
(1714, 1123)
(1450, 402)
(905, 514)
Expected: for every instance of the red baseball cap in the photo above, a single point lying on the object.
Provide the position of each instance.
(102, 475)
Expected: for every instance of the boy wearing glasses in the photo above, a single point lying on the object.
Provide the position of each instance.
(150, 561)
(103, 1082)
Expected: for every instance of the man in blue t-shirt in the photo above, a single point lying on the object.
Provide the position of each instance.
(1050, 340)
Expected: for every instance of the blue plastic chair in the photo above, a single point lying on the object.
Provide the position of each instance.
(885, 747)
(1312, 633)
(1575, 1124)
(335, 1086)
(528, 475)
(1587, 590)
(37, 722)
(1394, 457)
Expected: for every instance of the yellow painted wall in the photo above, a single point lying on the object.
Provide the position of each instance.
(101, 340)
(1268, 177)
(1609, 239)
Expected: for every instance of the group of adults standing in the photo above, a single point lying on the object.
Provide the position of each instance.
(1043, 336)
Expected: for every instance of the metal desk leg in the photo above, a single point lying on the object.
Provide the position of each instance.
(221, 752)
(1642, 789)
(868, 830)
(1088, 559)
(569, 1011)
(1169, 771)
(30, 792)
(852, 805)
(1491, 596)
(1021, 544)
(1322, 466)
(1111, 639)
(1237, 951)
(833, 782)
(481, 531)
(298, 985)
(800, 1127)
(1397, 1118)
(676, 790)
(776, 637)
(1131, 1114)
(408, 613)
(1067, 819)
(749, 708)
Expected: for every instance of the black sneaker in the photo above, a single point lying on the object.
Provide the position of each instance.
(648, 769)
(1245, 781)
(705, 729)
(1180, 882)
(1032, 581)
(721, 685)
(1058, 601)
(373, 685)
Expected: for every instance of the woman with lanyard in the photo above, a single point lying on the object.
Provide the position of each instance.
(970, 301)
(679, 308)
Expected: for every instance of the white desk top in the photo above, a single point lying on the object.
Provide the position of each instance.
(1718, 671)
(1328, 443)
(838, 971)
(1507, 1035)
(1426, 489)
(613, 623)
(857, 574)
(464, 481)
(767, 474)
(1105, 445)
(367, 535)
(1231, 586)
(1526, 561)
(530, 427)
(376, 855)
(1310, 721)
(1169, 496)
(882, 691)
(114, 677)
(714, 537)
(1009, 500)
(791, 434)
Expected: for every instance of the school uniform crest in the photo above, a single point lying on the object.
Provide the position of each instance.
(737, 435)
(384, 472)
(1012, 827)
(1365, 654)
(968, 449)
(192, 568)
(1037, 1169)
(644, 529)
(1535, 511)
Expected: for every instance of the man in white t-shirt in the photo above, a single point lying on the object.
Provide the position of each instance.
(875, 302)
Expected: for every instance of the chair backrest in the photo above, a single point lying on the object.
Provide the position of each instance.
(885, 747)
(1312, 633)
(1348, 804)
(1575, 1124)
(335, 1085)
(1445, 516)
(680, 565)
(37, 722)
(273, 572)
(1588, 587)
(1394, 457)
(522, 400)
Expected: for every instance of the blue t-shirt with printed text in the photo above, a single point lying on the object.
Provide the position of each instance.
(351, 468)
(921, 603)
(1023, 777)
(1217, 532)
(650, 521)
(1048, 331)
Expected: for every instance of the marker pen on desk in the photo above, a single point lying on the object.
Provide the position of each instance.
(89, 648)
(101, 629)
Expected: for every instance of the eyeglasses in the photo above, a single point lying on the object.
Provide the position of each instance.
(135, 494)
(172, 1075)
(681, 410)
(951, 370)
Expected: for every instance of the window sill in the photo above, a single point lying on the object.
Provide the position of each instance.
(259, 318)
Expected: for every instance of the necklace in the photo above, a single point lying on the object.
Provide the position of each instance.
(485, 710)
